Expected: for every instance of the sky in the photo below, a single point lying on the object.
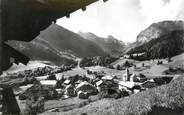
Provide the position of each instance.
(123, 19)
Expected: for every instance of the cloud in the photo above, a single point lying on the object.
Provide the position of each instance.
(119, 18)
(124, 19)
(166, 1)
(159, 10)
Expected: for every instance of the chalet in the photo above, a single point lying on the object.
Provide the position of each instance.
(78, 82)
(133, 78)
(101, 85)
(137, 88)
(67, 82)
(86, 87)
(24, 88)
(41, 78)
(138, 54)
(70, 91)
(82, 95)
(49, 82)
(149, 84)
(108, 77)
(59, 91)
(126, 56)
(141, 77)
(126, 85)
(59, 76)
(136, 91)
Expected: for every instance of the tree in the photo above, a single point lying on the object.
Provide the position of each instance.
(34, 105)
(51, 77)
(127, 64)
(118, 67)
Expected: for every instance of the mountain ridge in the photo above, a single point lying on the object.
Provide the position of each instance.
(159, 29)
(110, 44)
(58, 45)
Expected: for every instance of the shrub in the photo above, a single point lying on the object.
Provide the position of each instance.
(103, 94)
(29, 80)
(118, 67)
(39, 90)
(110, 93)
(127, 64)
(59, 84)
(176, 70)
(159, 81)
(51, 77)
(111, 67)
(34, 105)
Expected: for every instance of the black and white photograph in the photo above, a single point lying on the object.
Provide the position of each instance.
(91, 57)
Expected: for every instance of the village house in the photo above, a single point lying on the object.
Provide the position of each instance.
(67, 82)
(78, 82)
(149, 84)
(141, 77)
(51, 83)
(101, 85)
(128, 86)
(59, 91)
(108, 78)
(41, 78)
(133, 78)
(86, 87)
(70, 91)
(59, 76)
(138, 54)
(126, 56)
(82, 95)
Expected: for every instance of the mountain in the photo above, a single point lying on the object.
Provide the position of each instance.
(63, 39)
(58, 45)
(160, 40)
(38, 51)
(110, 44)
(168, 45)
(156, 30)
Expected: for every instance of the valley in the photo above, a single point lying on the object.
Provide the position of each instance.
(84, 74)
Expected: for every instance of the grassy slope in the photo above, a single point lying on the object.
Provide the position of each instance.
(167, 99)
(63, 39)
(151, 68)
(110, 44)
(122, 61)
(40, 51)
(177, 60)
